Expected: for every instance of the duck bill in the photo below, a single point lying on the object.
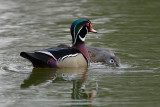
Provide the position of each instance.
(118, 65)
(92, 30)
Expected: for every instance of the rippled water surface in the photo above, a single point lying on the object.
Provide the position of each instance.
(131, 28)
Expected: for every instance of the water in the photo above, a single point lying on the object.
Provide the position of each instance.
(129, 27)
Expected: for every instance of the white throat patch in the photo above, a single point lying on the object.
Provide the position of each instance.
(75, 36)
(82, 39)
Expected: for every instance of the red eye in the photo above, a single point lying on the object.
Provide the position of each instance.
(87, 24)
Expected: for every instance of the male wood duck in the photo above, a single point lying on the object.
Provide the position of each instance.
(75, 56)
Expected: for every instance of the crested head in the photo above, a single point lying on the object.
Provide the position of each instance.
(79, 29)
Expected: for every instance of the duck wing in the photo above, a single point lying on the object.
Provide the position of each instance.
(50, 57)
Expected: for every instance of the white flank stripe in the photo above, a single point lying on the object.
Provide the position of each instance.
(67, 56)
(47, 53)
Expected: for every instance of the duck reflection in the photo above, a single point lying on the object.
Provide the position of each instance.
(78, 76)
(39, 76)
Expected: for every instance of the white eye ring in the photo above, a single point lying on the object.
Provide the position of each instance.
(111, 61)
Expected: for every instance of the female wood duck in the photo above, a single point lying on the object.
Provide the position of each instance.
(75, 56)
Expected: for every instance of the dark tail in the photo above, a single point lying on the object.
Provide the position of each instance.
(37, 59)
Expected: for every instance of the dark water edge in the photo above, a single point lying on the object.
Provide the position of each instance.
(128, 27)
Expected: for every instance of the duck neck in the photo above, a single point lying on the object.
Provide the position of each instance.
(82, 47)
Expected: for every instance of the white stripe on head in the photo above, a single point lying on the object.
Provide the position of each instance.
(74, 32)
(75, 39)
(87, 30)
(83, 39)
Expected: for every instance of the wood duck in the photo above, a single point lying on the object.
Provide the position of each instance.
(75, 56)
(98, 54)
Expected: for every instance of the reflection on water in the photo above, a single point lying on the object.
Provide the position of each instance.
(78, 78)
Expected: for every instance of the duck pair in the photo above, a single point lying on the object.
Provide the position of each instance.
(75, 56)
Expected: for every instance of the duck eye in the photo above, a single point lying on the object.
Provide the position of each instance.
(111, 61)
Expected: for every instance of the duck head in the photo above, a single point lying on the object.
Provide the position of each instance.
(79, 29)
(113, 61)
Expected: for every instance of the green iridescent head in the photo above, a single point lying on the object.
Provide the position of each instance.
(79, 29)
